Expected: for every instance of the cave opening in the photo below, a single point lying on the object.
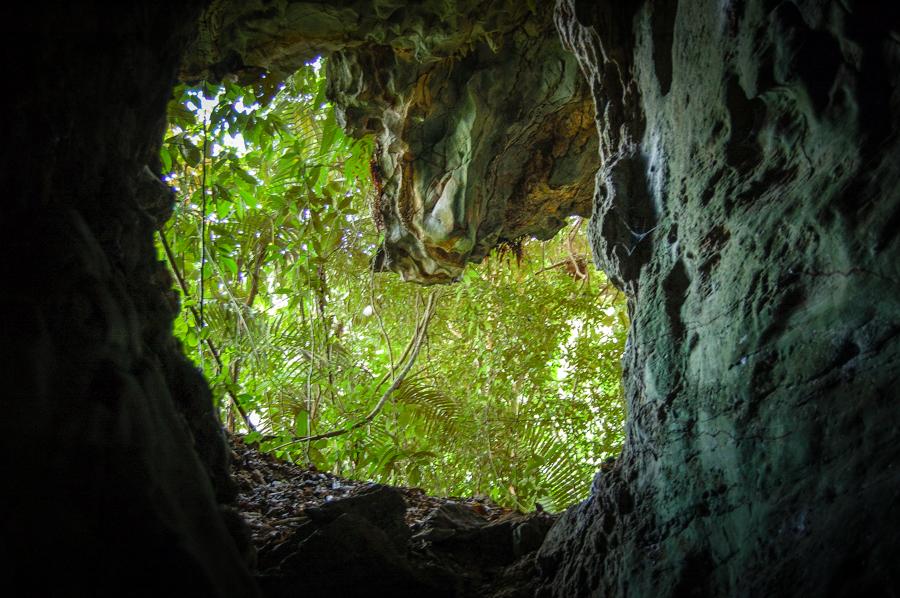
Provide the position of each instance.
(506, 385)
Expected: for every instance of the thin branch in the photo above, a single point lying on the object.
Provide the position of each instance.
(239, 312)
(564, 262)
(255, 269)
(416, 344)
(170, 256)
(571, 248)
(203, 220)
(377, 312)
(312, 346)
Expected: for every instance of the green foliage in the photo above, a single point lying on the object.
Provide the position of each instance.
(515, 393)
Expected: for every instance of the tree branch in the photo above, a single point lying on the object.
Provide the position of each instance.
(416, 345)
(170, 256)
(258, 260)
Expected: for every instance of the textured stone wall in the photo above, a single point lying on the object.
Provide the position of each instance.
(749, 203)
(483, 124)
(487, 145)
(114, 467)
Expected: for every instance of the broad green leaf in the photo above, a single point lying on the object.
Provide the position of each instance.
(330, 132)
(166, 159)
(229, 264)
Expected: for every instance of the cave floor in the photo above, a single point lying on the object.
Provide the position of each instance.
(319, 534)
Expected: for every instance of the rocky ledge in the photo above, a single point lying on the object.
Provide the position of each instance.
(328, 535)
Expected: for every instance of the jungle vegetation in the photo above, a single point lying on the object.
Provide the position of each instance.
(505, 384)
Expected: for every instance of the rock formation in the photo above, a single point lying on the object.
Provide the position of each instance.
(483, 124)
(333, 536)
(746, 199)
(116, 469)
(748, 203)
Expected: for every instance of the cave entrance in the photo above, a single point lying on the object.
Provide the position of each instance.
(505, 384)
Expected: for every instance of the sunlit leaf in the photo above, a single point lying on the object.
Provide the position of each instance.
(229, 264)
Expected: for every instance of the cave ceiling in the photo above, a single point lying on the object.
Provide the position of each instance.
(483, 125)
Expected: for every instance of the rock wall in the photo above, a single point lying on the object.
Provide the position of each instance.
(748, 203)
(483, 124)
(484, 146)
(115, 469)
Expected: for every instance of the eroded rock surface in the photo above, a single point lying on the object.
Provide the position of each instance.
(339, 537)
(483, 124)
(748, 203)
(116, 476)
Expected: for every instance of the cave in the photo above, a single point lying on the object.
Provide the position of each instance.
(739, 163)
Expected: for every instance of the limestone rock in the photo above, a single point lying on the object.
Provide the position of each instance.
(748, 204)
(483, 124)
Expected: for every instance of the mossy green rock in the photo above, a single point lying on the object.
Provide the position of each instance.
(748, 203)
